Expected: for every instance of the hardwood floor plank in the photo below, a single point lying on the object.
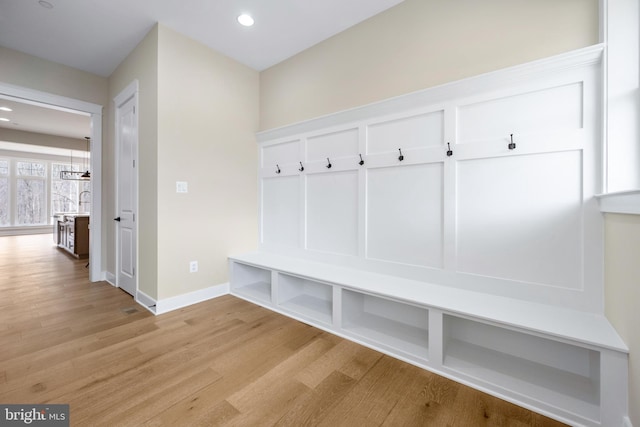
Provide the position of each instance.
(223, 362)
(314, 405)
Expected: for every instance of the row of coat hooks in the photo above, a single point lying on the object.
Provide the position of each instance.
(511, 146)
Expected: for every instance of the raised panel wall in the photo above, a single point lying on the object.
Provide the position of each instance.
(551, 109)
(332, 212)
(424, 130)
(333, 145)
(281, 211)
(515, 221)
(520, 218)
(404, 214)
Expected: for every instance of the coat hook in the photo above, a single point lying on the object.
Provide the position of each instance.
(512, 145)
(401, 157)
(301, 167)
(361, 162)
(328, 163)
(449, 152)
(277, 169)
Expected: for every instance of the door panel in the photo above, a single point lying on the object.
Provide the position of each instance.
(127, 196)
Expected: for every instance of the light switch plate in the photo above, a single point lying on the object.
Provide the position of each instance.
(181, 187)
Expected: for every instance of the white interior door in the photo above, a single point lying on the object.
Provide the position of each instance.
(127, 140)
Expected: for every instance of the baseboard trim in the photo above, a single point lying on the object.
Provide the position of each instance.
(110, 278)
(146, 301)
(626, 422)
(179, 301)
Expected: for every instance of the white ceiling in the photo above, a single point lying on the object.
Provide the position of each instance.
(29, 117)
(96, 36)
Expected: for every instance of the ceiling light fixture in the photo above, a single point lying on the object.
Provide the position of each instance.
(5, 109)
(245, 20)
(4, 119)
(45, 4)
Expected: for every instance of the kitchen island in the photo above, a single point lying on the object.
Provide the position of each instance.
(71, 233)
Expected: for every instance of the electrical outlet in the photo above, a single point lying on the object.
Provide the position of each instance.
(193, 267)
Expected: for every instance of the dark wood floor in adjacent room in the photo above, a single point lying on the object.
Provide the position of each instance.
(224, 362)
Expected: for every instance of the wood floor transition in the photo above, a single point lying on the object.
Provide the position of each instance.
(224, 362)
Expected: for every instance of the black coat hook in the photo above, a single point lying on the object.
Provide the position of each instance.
(278, 169)
(301, 167)
(361, 162)
(449, 152)
(328, 163)
(512, 145)
(401, 157)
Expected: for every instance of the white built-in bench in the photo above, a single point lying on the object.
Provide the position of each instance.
(567, 364)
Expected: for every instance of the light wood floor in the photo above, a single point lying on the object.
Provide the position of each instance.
(224, 362)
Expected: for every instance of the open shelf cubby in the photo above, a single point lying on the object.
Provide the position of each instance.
(558, 374)
(252, 282)
(398, 326)
(306, 298)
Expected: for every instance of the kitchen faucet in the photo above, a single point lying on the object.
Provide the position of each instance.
(80, 202)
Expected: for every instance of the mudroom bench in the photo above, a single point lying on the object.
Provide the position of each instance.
(566, 364)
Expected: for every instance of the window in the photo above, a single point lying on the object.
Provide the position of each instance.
(64, 193)
(31, 190)
(4, 192)
(31, 196)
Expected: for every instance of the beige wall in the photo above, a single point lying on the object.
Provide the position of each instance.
(31, 72)
(207, 119)
(622, 297)
(33, 138)
(141, 65)
(419, 44)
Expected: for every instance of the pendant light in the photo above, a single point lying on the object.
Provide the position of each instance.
(72, 175)
(87, 174)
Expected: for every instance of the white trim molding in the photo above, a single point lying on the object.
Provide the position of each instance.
(624, 202)
(146, 301)
(184, 300)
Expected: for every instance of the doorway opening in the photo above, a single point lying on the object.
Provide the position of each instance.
(44, 101)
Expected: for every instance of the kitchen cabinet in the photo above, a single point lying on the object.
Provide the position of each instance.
(73, 234)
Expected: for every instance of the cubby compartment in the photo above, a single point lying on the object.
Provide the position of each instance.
(252, 282)
(397, 326)
(558, 374)
(306, 298)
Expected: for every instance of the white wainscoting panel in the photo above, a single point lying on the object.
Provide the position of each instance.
(552, 109)
(424, 130)
(332, 212)
(520, 218)
(281, 211)
(333, 145)
(281, 154)
(405, 214)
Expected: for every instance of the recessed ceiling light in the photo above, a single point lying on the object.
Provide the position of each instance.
(245, 20)
(5, 109)
(4, 119)
(45, 4)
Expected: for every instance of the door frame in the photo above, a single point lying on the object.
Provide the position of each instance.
(32, 96)
(131, 91)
